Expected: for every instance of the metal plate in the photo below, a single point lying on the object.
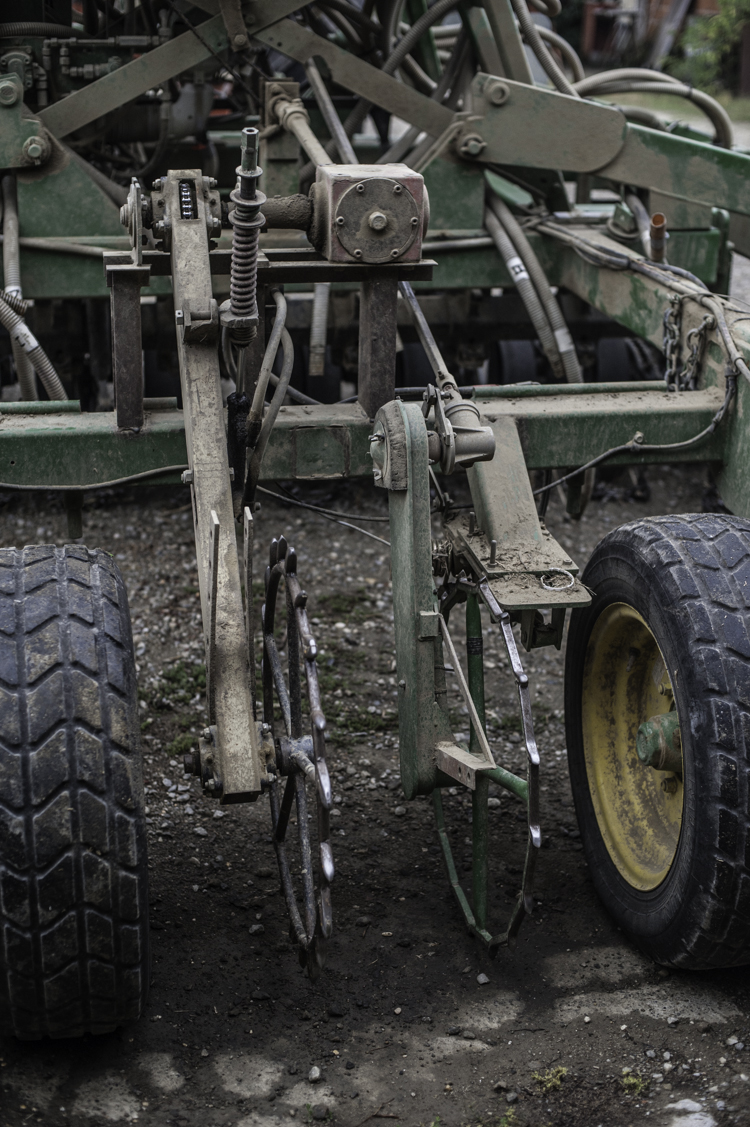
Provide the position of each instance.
(376, 220)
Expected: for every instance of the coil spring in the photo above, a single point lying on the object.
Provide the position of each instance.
(247, 222)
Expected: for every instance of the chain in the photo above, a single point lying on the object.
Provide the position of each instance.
(672, 322)
(683, 378)
(696, 341)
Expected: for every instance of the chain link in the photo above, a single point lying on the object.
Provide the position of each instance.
(672, 323)
(685, 378)
(696, 342)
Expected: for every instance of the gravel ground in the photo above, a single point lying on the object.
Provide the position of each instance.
(410, 1021)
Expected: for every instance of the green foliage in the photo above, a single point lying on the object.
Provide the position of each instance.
(181, 676)
(708, 54)
(550, 1080)
(343, 605)
(181, 745)
(634, 1084)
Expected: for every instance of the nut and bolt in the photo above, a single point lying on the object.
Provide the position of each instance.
(187, 477)
(497, 93)
(472, 145)
(34, 148)
(669, 786)
(207, 735)
(8, 93)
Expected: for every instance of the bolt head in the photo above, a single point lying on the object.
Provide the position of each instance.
(34, 150)
(339, 221)
(397, 189)
(395, 253)
(8, 93)
(239, 40)
(360, 188)
(357, 253)
(207, 734)
(497, 93)
(378, 221)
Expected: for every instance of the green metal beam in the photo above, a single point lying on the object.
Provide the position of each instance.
(690, 169)
(330, 442)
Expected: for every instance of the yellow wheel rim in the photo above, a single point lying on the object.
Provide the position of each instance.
(625, 681)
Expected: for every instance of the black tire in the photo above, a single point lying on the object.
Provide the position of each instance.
(74, 954)
(688, 578)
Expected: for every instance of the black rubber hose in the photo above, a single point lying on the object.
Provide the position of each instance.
(45, 30)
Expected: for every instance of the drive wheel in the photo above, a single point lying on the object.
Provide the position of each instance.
(73, 868)
(657, 701)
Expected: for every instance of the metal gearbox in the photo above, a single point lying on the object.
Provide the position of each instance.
(370, 213)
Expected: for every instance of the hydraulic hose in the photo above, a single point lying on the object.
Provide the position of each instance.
(255, 414)
(319, 329)
(47, 30)
(12, 276)
(565, 49)
(636, 80)
(392, 63)
(642, 220)
(527, 254)
(22, 336)
(538, 46)
(448, 78)
(528, 294)
(256, 459)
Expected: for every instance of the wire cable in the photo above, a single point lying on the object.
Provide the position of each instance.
(637, 446)
(46, 488)
(325, 513)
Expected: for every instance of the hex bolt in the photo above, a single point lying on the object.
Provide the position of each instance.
(378, 221)
(669, 786)
(207, 735)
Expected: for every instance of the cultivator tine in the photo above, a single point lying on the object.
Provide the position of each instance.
(299, 758)
(525, 904)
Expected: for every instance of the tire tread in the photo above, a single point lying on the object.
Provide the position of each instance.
(73, 868)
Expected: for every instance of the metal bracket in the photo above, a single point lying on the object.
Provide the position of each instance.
(231, 12)
(201, 326)
(486, 760)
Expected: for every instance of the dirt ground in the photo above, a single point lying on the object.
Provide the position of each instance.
(410, 1021)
